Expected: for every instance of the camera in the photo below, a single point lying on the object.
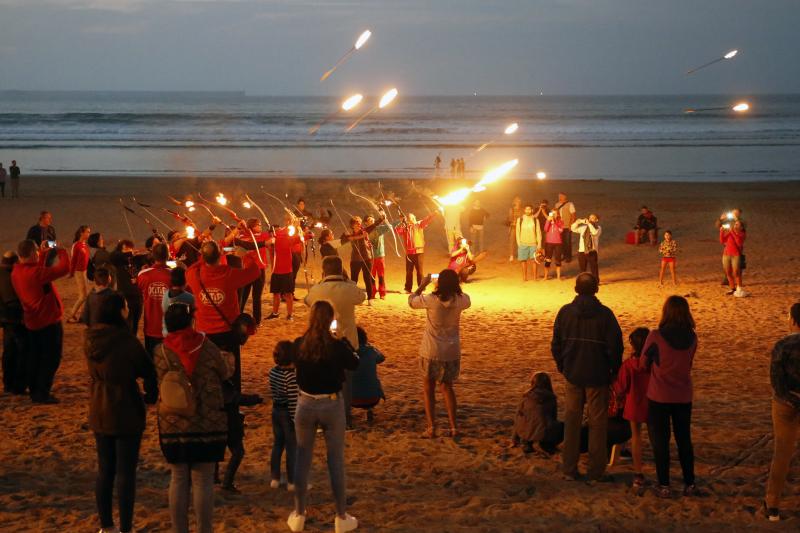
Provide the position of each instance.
(52, 244)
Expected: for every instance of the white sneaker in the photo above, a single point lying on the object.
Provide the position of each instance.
(348, 524)
(296, 522)
(274, 484)
(740, 292)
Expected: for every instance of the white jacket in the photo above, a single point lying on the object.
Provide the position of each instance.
(344, 296)
(580, 227)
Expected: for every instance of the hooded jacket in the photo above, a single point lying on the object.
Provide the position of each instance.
(115, 359)
(344, 295)
(441, 340)
(537, 416)
(587, 342)
(669, 354)
(784, 370)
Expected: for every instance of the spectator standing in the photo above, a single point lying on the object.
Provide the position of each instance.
(42, 231)
(588, 230)
(126, 268)
(553, 243)
(514, 212)
(587, 349)
(78, 265)
(14, 173)
(732, 236)
(529, 238)
(566, 211)
(42, 312)
(3, 175)
(477, 218)
(177, 293)
(116, 411)
(15, 379)
(99, 293)
(413, 235)
(283, 385)
(669, 251)
(153, 283)
(785, 379)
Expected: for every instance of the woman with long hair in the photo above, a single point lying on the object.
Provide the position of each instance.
(440, 349)
(116, 359)
(321, 362)
(668, 355)
(79, 263)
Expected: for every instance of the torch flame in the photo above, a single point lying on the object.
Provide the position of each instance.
(387, 203)
(189, 203)
(190, 232)
(292, 231)
(351, 102)
(731, 54)
(387, 98)
(511, 128)
(363, 38)
(455, 197)
(221, 200)
(541, 175)
(191, 209)
(247, 205)
(741, 107)
(497, 173)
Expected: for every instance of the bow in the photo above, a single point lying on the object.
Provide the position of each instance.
(146, 210)
(424, 195)
(288, 211)
(387, 203)
(225, 208)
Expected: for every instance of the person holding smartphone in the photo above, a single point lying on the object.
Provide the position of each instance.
(43, 230)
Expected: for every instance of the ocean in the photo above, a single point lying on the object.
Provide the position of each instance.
(646, 138)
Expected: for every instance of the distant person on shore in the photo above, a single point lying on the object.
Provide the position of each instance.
(588, 230)
(413, 236)
(15, 379)
(566, 212)
(477, 219)
(3, 175)
(553, 243)
(101, 291)
(514, 212)
(536, 420)
(529, 238)
(116, 359)
(14, 172)
(646, 227)
(192, 434)
(453, 168)
(42, 231)
(78, 266)
(669, 355)
(367, 388)
(440, 349)
(587, 349)
(732, 236)
(320, 366)
(784, 376)
(632, 383)
(437, 164)
(283, 386)
(42, 312)
(669, 251)
(461, 167)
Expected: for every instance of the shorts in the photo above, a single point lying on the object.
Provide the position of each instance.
(524, 253)
(731, 261)
(440, 371)
(668, 260)
(281, 283)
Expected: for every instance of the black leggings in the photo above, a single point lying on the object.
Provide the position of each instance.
(658, 427)
(552, 253)
(258, 290)
(117, 458)
(366, 268)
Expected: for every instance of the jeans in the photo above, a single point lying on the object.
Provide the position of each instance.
(284, 439)
(151, 383)
(196, 479)
(596, 401)
(785, 427)
(258, 290)
(329, 415)
(658, 427)
(227, 342)
(44, 357)
(413, 261)
(366, 268)
(15, 379)
(117, 459)
(587, 262)
(82, 286)
(378, 276)
(235, 442)
(476, 236)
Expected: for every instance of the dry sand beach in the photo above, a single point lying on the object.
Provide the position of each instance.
(399, 482)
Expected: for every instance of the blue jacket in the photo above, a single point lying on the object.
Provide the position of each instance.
(366, 384)
(378, 249)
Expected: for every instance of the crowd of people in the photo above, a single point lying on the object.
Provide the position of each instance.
(190, 290)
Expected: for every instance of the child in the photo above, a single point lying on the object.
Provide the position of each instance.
(537, 417)
(367, 389)
(177, 293)
(283, 385)
(668, 250)
(632, 382)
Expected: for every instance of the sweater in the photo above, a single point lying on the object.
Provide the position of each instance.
(669, 355)
(283, 385)
(587, 342)
(33, 283)
(784, 370)
(377, 241)
(553, 231)
(536, 419)
(80, 257)
(344, 296)
(441, 339)
(153, 283)
(115, 359)
(325, 375)
(632, 383)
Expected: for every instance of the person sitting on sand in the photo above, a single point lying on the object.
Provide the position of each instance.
(631, 383)
(440, 349)
(646, 227)
(461, 259)
(367, 388)
(668, 250)
(536, 420)
(668, 355)
(784, 376)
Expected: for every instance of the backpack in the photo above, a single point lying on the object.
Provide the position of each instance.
(175, 391)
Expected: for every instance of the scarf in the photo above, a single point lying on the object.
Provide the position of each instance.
(186, 344)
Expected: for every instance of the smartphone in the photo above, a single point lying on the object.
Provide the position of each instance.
(52, 244)
(334, 325)
(228, 249)
(434, 276)
(730, 215)
(726, 226)
(172, 264)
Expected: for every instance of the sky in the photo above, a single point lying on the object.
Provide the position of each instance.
(424, 47)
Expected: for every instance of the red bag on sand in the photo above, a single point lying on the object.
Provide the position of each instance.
(630, 237)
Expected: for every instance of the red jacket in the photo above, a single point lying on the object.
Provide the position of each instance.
(632, 383)
(80, 257)
(733, 241)
(221, 282)
(153, 283)
(33, 283)
(413, 235)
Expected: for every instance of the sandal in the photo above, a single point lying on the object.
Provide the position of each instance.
(429, 433)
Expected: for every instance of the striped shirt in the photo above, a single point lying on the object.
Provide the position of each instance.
(283, 384)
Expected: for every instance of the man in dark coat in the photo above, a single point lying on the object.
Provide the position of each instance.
(587, 348)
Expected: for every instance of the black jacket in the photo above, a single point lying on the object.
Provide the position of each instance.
(587, 342)
(784, 372)
(116, 359)
(38, 234)
(10, 306)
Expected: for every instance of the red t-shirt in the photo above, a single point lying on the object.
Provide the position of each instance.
(80, 257)
(284, 246)
(33, 283)
(153, 283)
(221, 282)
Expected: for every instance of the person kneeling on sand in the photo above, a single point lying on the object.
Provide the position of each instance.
(367, 388)
(536, 420)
